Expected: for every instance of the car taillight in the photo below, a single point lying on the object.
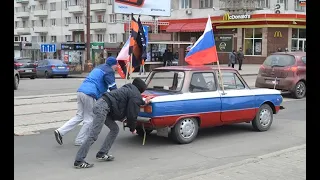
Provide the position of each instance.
(293, 69)
(68, 67)
(18, 64)
(52, 67)
(261, 69)
(148, 109)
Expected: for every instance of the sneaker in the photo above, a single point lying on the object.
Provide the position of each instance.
(82, 165)
(58, 137)
(105, 157)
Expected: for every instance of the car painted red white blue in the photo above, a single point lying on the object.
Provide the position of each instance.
(186, 98)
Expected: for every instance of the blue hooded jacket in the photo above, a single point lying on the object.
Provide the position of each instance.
(100, 79)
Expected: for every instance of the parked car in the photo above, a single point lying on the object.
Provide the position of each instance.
(52, 67)
(16, 79)
(186, 98)
(285, 72)
(25, 67)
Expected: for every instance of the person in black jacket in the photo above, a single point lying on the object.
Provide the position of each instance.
(118, 104)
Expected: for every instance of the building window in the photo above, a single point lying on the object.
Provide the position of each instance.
(100, 37)
(112, 38)
(33, 7)
(100, 18)
(77, 37)
(297, 6)
(299, 40)
(43, 38)
(42, 23)
(285, 2)
(253, 41)
(52, 6)
(110, 2)
(53, 38)
(53, 22)
(43, 7)
(67, 20)
(112, 18)
(185, 4)
(206, 4)
(67, 38)
(24, 24)
(33, 23)
(16, 24)
(264, 3)
(66, 4)
(91, 38)
(16, 38)
(78, 19)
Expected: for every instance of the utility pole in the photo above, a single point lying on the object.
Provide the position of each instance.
(88, 31)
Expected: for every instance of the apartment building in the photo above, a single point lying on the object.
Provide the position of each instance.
(260, 27)
(63, 22)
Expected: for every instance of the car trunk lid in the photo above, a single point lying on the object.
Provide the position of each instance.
(277, 66)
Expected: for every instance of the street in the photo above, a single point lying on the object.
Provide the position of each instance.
(41, 105)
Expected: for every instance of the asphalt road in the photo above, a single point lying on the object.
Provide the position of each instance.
(38, 157)
(28, 87)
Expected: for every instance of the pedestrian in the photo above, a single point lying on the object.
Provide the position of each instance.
(165, 57)
(99, 80)
(240, 57)
(232, 58)
(122, 103)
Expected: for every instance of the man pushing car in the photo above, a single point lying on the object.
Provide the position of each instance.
(118, 104)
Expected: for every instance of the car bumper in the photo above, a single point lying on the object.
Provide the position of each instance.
(62, 73)
(27, 74)
(285, 84)
(143, 119)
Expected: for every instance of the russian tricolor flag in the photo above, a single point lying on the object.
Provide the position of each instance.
(204, 49)
(123, 59)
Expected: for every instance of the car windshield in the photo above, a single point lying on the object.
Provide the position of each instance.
(57, 62)
(279, 60)
(165, 80)
(23, 60)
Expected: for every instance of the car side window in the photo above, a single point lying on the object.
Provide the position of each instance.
(202, 82)
(304, 59)
(40, 63)
(232, 81)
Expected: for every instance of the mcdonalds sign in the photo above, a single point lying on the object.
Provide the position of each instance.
(227, 17)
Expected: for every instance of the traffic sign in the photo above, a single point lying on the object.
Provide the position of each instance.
(48, 48)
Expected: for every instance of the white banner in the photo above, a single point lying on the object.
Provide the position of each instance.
(143, 7)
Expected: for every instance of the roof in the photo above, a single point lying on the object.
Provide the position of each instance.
(294, 53)
(193, 68)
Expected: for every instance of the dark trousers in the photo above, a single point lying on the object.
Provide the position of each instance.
(232, 65)
(240, 63)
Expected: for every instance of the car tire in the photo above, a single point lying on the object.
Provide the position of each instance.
(16, 82)
(47, 75)
(299, 90)
(32, 77)
(263, 119)
(141, 133)
(185, 131)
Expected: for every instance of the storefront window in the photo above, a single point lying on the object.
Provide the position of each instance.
(253, 41)
(298, 42)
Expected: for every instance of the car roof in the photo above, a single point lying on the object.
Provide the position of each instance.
(193, 68)
(294, 53)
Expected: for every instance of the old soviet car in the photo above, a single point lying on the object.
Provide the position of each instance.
(186, 98)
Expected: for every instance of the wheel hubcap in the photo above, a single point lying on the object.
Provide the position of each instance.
(300, 89)
(265, 117)
(187, 128)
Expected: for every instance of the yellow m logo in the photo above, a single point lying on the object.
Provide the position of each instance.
(226, 17)
(277, 34)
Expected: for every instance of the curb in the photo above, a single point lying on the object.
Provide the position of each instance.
(239, 163)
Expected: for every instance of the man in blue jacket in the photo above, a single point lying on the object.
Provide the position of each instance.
(99, 80)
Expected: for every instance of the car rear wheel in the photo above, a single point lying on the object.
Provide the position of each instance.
(185, 131)
(263, 119)
(299, 90)
(16, 82)
(141, 133)
(32, 77)
(47, 75)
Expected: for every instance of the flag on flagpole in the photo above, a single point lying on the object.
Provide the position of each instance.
(204, 49)
(135, 46)
(123, 59)
(143, 39)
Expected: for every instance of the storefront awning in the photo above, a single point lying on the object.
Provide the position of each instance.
(170, 42)
(175, 27)
(193, 27)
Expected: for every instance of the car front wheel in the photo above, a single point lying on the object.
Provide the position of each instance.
(263, 119)
(300, 90)
(16, 82)
(46, 74)
(185, 131)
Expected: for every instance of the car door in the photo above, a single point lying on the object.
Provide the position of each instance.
(39, 68)
(302, 67)
(237, 100)
(207, 102)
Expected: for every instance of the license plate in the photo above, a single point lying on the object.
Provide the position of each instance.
(60, 67)
(27, 70)
(272, 82)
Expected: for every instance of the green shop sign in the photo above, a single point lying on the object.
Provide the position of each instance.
(224, 42)
(97, 52)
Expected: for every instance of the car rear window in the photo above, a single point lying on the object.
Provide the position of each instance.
(23, 60)
(58, 62)
(304, 59)
(281, 60)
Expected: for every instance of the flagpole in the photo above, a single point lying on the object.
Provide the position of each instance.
(130, 60)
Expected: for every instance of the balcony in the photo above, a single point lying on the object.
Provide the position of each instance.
(23, 30)
(40, 29)
(76, 27)
(40, 12)
(22, 1)
(98, 5)
(75, 9)
(98, 26)
(23, 14)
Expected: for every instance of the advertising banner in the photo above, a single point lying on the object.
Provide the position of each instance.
(146, 33)
(143, 7)
(224, 42)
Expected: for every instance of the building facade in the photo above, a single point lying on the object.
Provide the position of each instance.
(260, 27)
(61, 22)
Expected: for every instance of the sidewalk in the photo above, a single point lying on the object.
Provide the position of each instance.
(247, 70)
(287, 164)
